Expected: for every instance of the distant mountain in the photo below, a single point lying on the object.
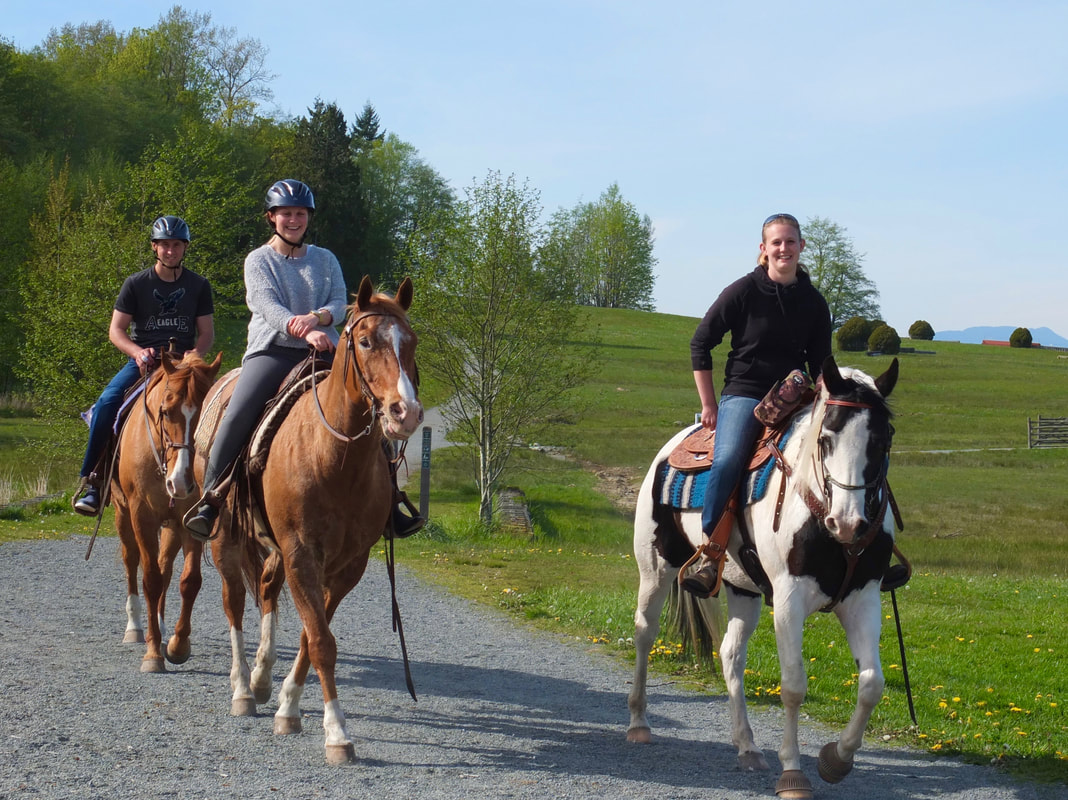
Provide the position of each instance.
(1000, 333)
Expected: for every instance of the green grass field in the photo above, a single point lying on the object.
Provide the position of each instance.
(986, 528)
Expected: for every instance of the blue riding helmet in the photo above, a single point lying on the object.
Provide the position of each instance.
(170, 227)
(290, 192)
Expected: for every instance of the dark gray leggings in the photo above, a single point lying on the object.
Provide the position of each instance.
(261, 375)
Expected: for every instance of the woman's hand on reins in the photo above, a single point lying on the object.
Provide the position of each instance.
(302, 324)
(320, 341)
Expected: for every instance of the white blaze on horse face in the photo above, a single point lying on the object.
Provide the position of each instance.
(180, 480)
(407, 413)
(845, 512)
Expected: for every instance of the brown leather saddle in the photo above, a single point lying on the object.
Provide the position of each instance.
(694, 453)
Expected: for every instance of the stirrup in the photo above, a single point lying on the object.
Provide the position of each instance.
(402, 525)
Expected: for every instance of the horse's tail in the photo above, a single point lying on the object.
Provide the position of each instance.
(697, 621)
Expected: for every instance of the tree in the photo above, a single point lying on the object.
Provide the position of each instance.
(322, 158)
(400, 192)
(921, 329)
(884, 339)
(202, 179)
(609, 248)
(494, 326)
(853, 335)
(836, 270)
(80, 258)
(365, 130)
(1021, 337)
(239, 71)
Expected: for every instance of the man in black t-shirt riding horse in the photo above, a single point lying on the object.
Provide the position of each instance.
(164, 302)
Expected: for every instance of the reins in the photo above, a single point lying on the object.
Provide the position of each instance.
(852, 551)
(365, 389)
(376, 411)
(165, 441)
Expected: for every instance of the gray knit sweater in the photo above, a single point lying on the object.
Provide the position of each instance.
(279, 288)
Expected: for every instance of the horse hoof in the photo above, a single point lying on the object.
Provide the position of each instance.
(262, 693)
(287, 725)
(340, 753)
(133, 637)
(153, 664)
(242, 707)
(178, 651)
(753, 762)
(832, 768)
(793, 785)
(640, 735)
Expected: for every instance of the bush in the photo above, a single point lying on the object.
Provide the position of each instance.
(884, 339)
(1021, 337)
(921, 329)
(853, 335)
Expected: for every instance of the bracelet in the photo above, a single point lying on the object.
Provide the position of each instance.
(320, 315)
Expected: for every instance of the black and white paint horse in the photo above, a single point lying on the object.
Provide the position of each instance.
(825, 547)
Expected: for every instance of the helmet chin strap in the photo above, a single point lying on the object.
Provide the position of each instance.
(293, 245)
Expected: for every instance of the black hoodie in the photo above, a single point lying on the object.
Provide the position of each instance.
(774, 329)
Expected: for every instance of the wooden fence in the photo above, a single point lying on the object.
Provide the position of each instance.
(1047, 432)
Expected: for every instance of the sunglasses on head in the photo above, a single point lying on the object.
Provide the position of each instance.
(788, 217)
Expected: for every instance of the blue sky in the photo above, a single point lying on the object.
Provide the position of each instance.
(934, 132)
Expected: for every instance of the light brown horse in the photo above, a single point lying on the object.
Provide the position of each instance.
(322, 501)
(152, 487)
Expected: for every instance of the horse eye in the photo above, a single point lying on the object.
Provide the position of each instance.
(365, 343)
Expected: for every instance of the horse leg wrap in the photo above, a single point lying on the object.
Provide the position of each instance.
(832, 768)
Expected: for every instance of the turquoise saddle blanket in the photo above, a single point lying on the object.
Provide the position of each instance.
(685, 491)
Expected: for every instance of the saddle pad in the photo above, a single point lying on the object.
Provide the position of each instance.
(212, 412)
(264, 432)
(682, 489)
(685, 489)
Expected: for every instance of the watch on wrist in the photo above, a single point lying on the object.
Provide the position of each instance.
(320, 314)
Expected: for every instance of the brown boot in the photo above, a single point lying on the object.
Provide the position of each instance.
(704, 582)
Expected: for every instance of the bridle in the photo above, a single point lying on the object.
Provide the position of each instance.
(819, 507)
(852, 551)
(373, 402)
(166, 444)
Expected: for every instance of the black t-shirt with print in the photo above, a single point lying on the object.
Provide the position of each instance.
(162, 309)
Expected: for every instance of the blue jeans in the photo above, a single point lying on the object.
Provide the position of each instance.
(737, 431)
(104, 412)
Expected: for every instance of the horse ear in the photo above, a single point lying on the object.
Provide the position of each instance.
(885, 383)
(363, 294)
(832, 378)
(167, 362)
(214, 366)
(404, 294)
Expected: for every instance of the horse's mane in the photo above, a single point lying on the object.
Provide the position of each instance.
(190, 367)
(392, 307)
(860, 388)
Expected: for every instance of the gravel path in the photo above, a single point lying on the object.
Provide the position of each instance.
(503, 712)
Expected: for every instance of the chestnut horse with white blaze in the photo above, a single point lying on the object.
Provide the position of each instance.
(321, 502)
(818, 538)
(153, 486)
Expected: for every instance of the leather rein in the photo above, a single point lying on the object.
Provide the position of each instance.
(365, 389)
(852, 551)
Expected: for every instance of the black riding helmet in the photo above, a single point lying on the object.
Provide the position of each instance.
(289, 192)
(170, 227)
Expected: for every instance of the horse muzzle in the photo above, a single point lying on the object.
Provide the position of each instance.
(402, 419)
